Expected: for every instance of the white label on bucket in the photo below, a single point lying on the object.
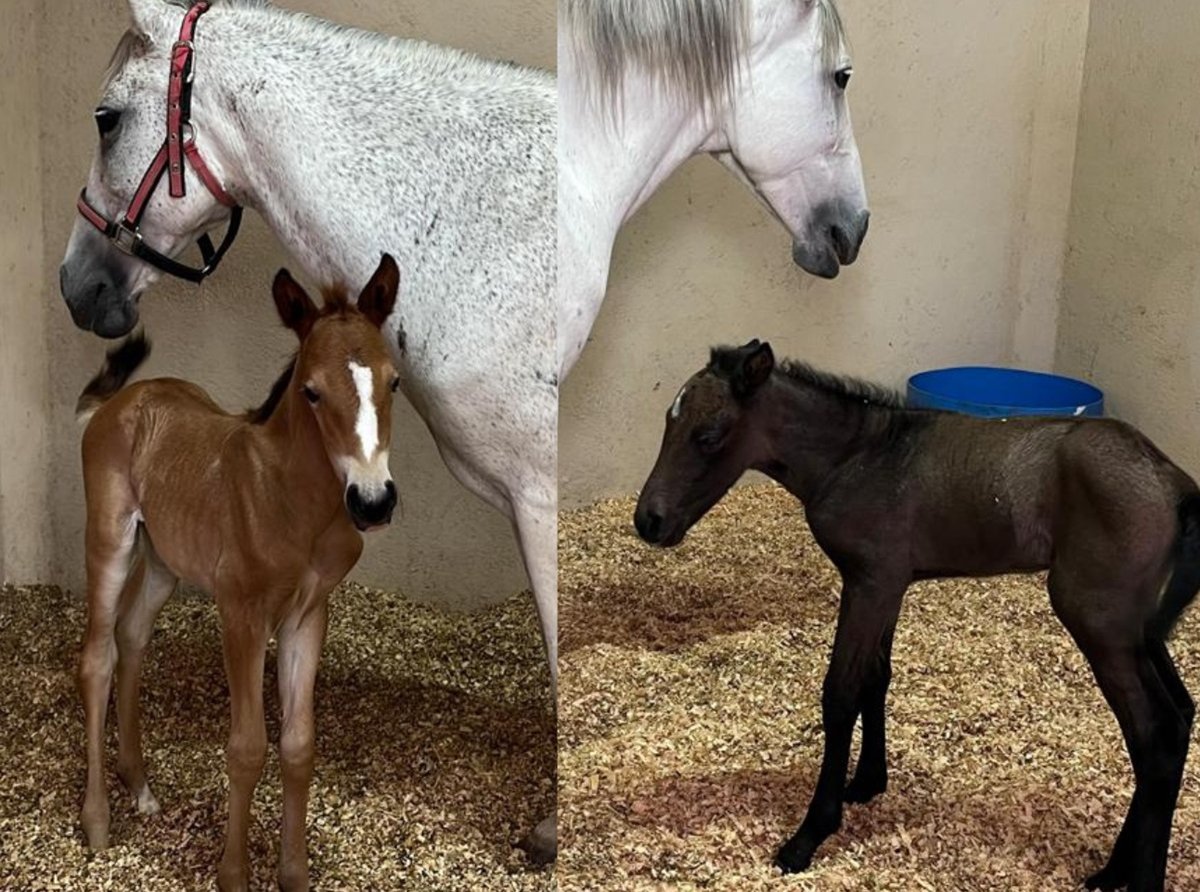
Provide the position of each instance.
(1080, 411)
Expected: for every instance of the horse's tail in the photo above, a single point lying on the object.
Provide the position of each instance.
(1185, 576)
(120, 362)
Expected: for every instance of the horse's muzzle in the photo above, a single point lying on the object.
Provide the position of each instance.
(97, 304)
(836, 235)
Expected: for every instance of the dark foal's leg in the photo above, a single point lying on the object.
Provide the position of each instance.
(868, 611)
(870, 777)
(1117, 872)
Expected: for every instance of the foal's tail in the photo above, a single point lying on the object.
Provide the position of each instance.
(1185, 577)
(120, 362)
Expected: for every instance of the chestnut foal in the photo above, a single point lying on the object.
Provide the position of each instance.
(264, 510)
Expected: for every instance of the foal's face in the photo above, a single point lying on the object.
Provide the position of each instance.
(345, 375)
(710, 441)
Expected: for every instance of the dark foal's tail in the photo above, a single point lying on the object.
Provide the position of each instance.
(1185, 577)
(120, 362)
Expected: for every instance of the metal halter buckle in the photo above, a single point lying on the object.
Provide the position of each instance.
(125, 237)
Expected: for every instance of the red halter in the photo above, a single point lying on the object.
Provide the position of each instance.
(124, 233)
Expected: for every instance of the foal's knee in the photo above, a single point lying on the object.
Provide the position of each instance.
(245, 758)
(296, 747)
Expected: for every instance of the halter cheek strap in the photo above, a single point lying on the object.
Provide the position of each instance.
(178, 148)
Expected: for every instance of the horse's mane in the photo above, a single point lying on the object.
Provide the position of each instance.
(695, 46)
(842, 387)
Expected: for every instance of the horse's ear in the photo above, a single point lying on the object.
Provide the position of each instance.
(755, 364)
(296, 309)
(378, 298)
(150, 17)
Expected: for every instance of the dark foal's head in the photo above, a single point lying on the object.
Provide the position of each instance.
(710, 441)
(345, 374)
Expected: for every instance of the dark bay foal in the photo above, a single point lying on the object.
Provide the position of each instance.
(894, 495)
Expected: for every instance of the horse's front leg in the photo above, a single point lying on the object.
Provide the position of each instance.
(868, 609)
(244, 637)
(871, 775)
(300, 641)
(537, 533)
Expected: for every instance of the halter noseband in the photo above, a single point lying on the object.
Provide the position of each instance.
(124, 233)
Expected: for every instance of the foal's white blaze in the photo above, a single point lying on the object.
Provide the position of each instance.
(677, 406)
(367, 425)
(369, 469)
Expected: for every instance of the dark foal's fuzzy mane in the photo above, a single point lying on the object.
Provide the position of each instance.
(842, 386)
(723, 361)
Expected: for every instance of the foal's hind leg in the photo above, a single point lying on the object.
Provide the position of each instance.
(871, 775)
(1122, 863)
(141, 603)
(111, 536)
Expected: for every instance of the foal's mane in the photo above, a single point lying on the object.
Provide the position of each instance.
(842, 387)
(695, 46)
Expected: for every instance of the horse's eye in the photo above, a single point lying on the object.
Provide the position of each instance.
(395, 385)
(107, 120)
(311, 395)
(841, 77)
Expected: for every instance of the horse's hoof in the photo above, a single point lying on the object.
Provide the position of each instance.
(864, 788)
(95, 827)
(1108, 879)
(541, 845)
(795, 856)
(145, 803)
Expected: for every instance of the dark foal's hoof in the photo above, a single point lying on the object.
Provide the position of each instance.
(541, 845)
(795, 856)
(1113, 876)
(864, 788)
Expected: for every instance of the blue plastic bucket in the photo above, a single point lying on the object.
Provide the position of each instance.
(994, 392)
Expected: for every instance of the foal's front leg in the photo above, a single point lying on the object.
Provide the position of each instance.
(868, 609)
(244, 637)
(300, 641)
(871, 775)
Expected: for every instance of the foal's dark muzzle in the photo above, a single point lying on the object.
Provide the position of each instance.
(97, 303)
(369, 512)
(654, 528)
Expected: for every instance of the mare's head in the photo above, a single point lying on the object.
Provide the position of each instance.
(100, 283)
(785, 130)
(709, 442)
(344, 376)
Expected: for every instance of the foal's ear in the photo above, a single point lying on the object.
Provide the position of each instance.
(296, 309)
(756, 361)
(379, 297)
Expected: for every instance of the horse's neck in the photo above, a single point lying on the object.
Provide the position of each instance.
(322, 129)
(807, 433)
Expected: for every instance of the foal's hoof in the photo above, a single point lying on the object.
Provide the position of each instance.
(145, 803)
(795, 856)
(1112, 876)
(541, 845)
(864, 788)
(95, 827)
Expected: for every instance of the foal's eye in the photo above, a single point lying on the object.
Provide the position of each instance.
(841, 77)
(107, 120)
(311, 395)
(709, 439)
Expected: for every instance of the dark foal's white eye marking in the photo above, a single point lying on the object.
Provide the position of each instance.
(677, 406)
(841, 77)
(311, 394)
(107, 120)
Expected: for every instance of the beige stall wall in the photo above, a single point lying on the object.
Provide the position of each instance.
(24, 467)
(446, 547)
(965, 115)
(1131, 303)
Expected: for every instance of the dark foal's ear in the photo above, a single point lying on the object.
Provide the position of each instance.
(755, 363)
(296, 309)
(378, 299)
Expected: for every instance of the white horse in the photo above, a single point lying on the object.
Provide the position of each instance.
(351, 144)
(646, 84)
